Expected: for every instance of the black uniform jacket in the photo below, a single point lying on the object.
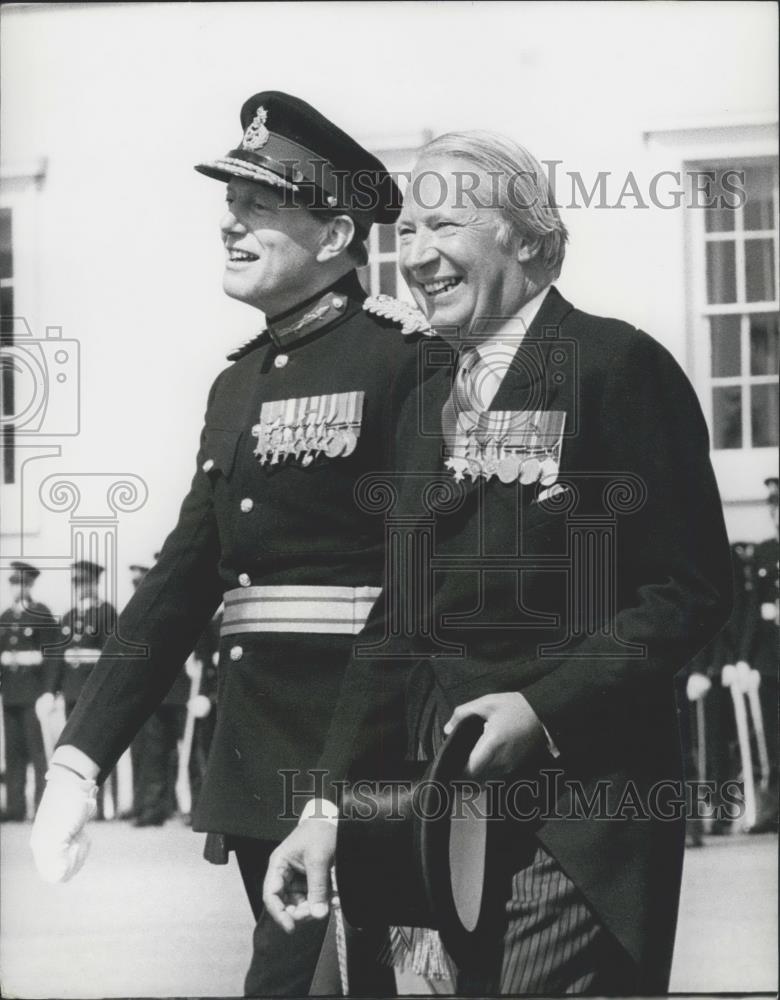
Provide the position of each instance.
(242, 524)
(589, 605)
(84, 632)
(24, 632)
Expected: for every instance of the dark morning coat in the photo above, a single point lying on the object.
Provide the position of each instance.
(501, 590)
(303, 528)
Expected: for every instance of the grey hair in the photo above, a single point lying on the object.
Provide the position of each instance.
(518, 187)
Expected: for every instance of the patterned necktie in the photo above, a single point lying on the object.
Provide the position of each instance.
(463, 397)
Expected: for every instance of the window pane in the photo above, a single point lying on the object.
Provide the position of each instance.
(724, 338)
(721, 273)
(759, 270)
(764, 342)
(720, 218)
(764, 415)
(727, 416)
(387, 239)
(758, 191)
(6, 257)
(387, 284)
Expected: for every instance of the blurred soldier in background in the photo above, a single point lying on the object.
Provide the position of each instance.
(760, 651)
(25, 628)
(203, 703)
(138, 572)
(708, 728)
(86, 628)
(158, 753)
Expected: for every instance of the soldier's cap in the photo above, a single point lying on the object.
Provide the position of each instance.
(137, 568)
(23, 571)
(772, 483)
(86, 569)
(288, 144)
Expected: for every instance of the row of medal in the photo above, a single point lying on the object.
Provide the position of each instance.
(303, 429)
(514, 446)
(494, 459)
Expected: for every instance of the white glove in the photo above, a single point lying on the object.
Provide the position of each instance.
(199, 706)
(698, 685)
(44, 706)
(59, 841)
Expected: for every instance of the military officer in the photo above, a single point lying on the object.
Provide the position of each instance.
(270, 524)
(25, 628)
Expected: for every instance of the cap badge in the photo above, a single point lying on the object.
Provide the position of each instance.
(256, 135)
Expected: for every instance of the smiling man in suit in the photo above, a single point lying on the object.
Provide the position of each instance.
(583, 562)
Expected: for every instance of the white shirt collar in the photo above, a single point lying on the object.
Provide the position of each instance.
(514, 330)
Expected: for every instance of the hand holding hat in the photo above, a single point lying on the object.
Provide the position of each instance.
(512, 735)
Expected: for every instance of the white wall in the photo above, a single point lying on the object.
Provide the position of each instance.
(121, 100)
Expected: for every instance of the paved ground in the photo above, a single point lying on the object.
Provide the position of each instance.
(147, 917)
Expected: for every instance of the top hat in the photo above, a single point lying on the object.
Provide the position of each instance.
(23, 572)
(86, 570)
(288, 144)
(404, 859)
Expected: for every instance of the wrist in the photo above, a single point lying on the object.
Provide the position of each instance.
(75, 760)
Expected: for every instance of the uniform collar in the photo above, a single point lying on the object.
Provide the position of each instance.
(322, 309)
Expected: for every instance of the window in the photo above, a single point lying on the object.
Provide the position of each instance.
(738, 307)
(19, 190)
(381, 274)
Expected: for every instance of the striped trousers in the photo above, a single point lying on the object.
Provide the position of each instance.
(552, 943)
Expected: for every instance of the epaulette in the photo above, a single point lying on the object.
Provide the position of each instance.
(250, 345)
(409, 317)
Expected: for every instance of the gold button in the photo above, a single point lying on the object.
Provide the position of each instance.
(247, 504)
(236, 652)
(208, 465)
(244, 579)
(280, 360)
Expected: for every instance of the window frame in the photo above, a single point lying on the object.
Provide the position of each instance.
(733, 465)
